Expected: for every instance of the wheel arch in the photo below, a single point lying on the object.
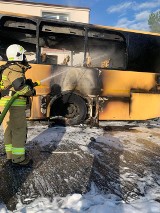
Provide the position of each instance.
(86, 102)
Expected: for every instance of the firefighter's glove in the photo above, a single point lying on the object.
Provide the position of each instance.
(30, 83)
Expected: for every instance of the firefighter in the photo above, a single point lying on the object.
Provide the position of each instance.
(15, 124)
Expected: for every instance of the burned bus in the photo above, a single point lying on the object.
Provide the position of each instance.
(88, 73)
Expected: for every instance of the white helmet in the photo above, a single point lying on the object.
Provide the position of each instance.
(15, 52)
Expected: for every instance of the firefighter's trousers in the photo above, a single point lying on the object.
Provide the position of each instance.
(15, 132)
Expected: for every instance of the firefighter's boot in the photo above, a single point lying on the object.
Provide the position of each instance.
(27, 162)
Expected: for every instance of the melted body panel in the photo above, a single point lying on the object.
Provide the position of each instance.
(56, 80)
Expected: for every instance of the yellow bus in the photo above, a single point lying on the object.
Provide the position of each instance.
(88, 73)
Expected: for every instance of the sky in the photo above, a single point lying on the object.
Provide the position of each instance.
(132, 14)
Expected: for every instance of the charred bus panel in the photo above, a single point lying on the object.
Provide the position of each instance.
(64, 91)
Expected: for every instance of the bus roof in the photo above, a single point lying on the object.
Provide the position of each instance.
(128, 30)
(2, 13)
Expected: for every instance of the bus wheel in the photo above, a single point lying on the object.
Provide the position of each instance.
(71, 107)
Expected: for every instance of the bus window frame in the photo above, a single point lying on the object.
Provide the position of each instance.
(60, 25)
(125, 37)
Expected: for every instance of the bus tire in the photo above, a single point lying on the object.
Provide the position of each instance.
(71, 107)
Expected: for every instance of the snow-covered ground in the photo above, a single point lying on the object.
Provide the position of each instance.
(137, 149)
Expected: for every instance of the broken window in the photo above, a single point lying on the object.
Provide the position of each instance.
(61, 45)
(105, 50)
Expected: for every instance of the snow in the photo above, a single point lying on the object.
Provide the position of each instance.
(94, 201)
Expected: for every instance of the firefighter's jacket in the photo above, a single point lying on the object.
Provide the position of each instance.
(13, 80)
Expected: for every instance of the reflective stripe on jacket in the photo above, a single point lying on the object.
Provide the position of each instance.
(4, 77)
(1, 85)
(17, 102)
(1, 82)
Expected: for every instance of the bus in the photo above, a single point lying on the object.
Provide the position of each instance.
(88, 73)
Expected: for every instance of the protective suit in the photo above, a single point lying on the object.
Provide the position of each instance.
(14, 123)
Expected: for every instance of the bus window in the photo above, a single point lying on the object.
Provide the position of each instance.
(47, 58)
(143, 52)
(18, 31)
(61, 45)
(105, 50)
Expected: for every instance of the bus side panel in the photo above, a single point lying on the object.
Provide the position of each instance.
(35, 112)
(142, 106)
(117, 83)
(145, 106)
(41, 73)
(114, 110)
(123, 103)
